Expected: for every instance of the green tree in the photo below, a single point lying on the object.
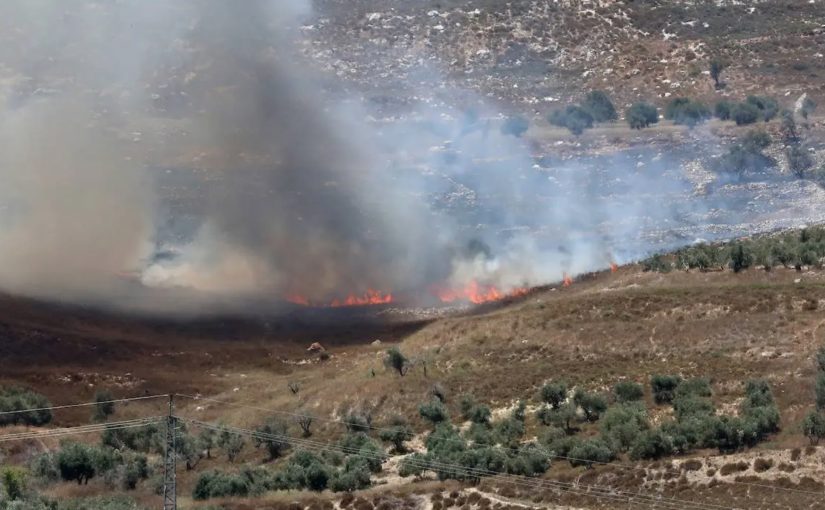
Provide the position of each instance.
(767, 106)
(813, 426)
(740, 257)
(745, 113)
(272, 435)
(652, 444)
(790, 133)
(628, 391)
(684, 111)
(800, 161)
(591, 404)
(724, 109)
(17, 399)
(599, 105)
(396, 360)
(433, 411)
(14, 482)
(641, 115)
(554, 394)
(575, 118)
(104, 405)
(76, 462)
(591, 451)
(231, 444)
(622, 424)
(664, 387)
(819, 390)
(716, 68)
(397, 434)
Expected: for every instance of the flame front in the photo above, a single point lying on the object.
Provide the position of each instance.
(370, 297)
(475, 292)
(567, 280)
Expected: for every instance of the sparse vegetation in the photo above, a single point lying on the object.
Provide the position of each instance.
(515, 126)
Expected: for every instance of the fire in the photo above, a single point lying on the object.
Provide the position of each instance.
(369, 297)
(477, 293)
(567, 280)
(614, 267)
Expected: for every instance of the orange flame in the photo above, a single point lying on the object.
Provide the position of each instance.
(567, 280)
(477, 293)
(614, 267)
(370, 297)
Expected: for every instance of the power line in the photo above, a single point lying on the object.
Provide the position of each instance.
(83, 404)
(544, 450)
(478, 472)
(81, 429)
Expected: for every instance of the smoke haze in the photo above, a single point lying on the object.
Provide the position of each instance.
(311, 199)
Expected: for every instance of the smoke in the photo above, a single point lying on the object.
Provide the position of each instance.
(288, 188)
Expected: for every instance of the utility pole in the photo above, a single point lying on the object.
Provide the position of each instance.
(169, 489)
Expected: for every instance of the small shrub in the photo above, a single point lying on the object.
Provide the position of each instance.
(591, 451)
(641, 115)
(652, 444)
(396, 361)
(397, 433)
(686, 112)
(272, 435)
(433, 411)
(760, 465)
(766, 105)
(664, 387)
(628, 391)
(554, 394)
(813, 426)
(745, 113)
(575, 118)
(104, 407)
(723, 110)
(591, 404)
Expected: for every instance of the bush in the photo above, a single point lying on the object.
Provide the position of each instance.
(15, 398)
(745, 113)
(641, 115)
(723, 109)
(554, 394)
(757, 394)
(14, 482)
(104, 407)
(508, 432)
(80, 462)
(275, 446)
(515, 126)
(729, 434)
(657, 263)
(716, 68)
(575, 118)
(622, 424)
(799, 161)
(740, 258)
(747, 155)
(591, 404)
(686, 112)
(396, 434)
(664, 387)
(819, 391)
(767, 106)
(591, 451)
(44, 467)
(599, 106)
(628, 391)
(396, 360)
(813, 426)
(433, 411)
(232, 444)
(217, 484)
(652, 444)
(141, 439)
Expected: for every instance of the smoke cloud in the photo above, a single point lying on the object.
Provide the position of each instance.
(290, 192)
